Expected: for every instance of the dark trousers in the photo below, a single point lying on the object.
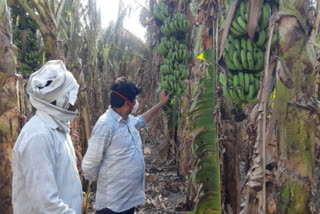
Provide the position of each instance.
(108, 211)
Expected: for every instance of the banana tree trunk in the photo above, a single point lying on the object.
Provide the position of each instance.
(11, 106)
(52, 47)
(48, 20)
(294, 106)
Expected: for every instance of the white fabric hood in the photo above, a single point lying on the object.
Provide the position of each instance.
(53, 82)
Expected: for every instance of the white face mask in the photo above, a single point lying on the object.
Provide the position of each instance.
(135, 107)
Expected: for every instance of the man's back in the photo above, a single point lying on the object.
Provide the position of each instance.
(44, 168)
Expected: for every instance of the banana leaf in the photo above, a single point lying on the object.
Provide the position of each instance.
(206, 172)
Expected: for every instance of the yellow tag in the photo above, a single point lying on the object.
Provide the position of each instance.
(201, 57)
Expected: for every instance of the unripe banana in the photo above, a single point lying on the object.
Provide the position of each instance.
(242, 23)
(234, 95)
(241, 94)
(266, 12)
(251, 78)
(237, 45)
(234, 32)
(252, 92)
(243, 9)
(250, 61)
(235, 81)
(246, 82)
(260, 61)
(241, 79)
(229, 62)
(222, 79)
(226, 92)
(237, 27)
(243, 56)
(261, 39)
(249, 45)
(243, 44)
(236, 60)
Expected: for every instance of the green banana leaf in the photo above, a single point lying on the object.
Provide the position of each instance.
(206, 172)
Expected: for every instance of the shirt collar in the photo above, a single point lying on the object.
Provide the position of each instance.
(115, 115)
(47, 119)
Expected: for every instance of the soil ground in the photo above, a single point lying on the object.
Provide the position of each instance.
(165, 190)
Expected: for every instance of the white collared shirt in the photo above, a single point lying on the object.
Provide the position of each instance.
(45, 175)
(114, 157)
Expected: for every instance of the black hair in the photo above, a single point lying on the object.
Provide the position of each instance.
(125, 88)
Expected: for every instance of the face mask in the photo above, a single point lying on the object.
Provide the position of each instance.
(135, 107)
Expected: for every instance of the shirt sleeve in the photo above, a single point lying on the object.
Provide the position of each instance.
(100, 139)
(140, 122)
(37, 163)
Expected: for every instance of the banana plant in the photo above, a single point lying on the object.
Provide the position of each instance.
(206, 173)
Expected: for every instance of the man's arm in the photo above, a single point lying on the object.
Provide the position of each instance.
(101, 137)
(37, 163)
(163, 99)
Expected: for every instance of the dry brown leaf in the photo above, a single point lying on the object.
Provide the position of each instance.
(254, 8)
(227, 26)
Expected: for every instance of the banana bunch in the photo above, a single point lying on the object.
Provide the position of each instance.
(239, 23)
(174, 82)
(242, 54)
(177, 23)
(180, 54)
(241, 87)
(161, 12)
(173, 49)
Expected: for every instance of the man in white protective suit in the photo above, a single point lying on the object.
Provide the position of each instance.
(45, 175)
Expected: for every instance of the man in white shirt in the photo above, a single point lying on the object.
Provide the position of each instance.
(114, 156)
(45, 175)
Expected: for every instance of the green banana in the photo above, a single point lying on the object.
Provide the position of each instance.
(234, 32)
(261, 38)
(226, 92)
(255, 54)
(243, 9)
(252, 92)
(185, 25)
(241, 79)
(235, 81)
(249, 45)
(242, 23)
(234, 95)
(230, 49)
(260, 61)
(243, 44)
(229, 74)
(246, 82)
(244, 61)
(222, 79)
(250, 61)
(236, 62)
(236, 43)
(266, 13)
(251, 78)
(237, 27)
(241, 94)
(172, 28)
(229, 62)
